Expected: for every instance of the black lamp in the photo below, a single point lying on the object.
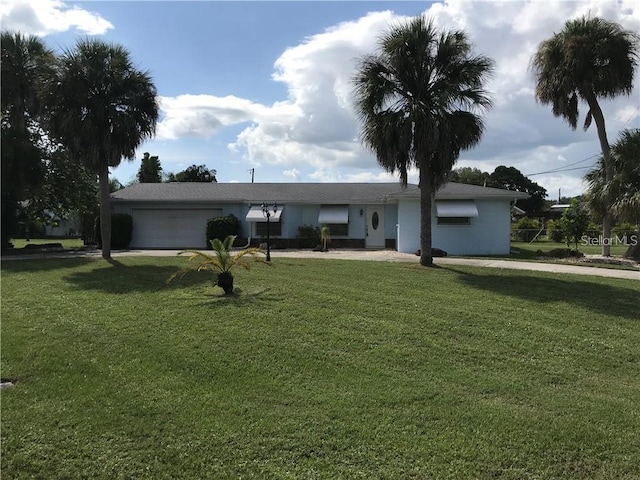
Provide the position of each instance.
(266, 211)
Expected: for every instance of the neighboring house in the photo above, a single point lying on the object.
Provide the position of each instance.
(467, 219)
(63, 227)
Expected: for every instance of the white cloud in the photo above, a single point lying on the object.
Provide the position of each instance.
(312, 133)
(293, 173)
(43, 17)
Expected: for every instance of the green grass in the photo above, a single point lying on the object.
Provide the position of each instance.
(317, 369)
(66, 242)
(530, 249)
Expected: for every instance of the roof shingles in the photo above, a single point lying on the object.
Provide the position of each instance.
(325, 193)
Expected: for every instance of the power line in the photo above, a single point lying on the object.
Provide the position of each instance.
(564, 167)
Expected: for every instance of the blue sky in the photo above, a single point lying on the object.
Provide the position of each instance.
(266, 85)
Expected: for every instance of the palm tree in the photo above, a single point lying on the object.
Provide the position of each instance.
(589, 59)
(25, 60)
(621, 194)
(101, 109)
(417, 99)
(222, 261)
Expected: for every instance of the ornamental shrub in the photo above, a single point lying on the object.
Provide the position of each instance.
(222, 227)
(308, 236)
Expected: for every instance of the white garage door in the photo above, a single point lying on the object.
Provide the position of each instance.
(171, 228)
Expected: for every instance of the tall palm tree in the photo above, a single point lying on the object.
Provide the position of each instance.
(101, 109)
(589, 59)
(621, 194)
(417, 99)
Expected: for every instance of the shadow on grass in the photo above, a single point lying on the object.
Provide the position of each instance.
(134, 278)
(42, 264)
(597, 297)
(153, 278)
(239, 297)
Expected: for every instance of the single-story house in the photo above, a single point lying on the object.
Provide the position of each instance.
(466, 219)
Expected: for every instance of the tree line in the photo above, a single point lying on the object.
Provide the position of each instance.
(150, 171)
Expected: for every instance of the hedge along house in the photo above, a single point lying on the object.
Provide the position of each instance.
(467, 219)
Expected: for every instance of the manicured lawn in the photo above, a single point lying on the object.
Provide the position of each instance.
(317, 369)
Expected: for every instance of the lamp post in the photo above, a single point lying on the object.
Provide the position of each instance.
(266, 211)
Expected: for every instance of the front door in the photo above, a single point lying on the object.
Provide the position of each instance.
(375, 227)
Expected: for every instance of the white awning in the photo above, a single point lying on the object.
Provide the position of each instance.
(255, 214)
(333, 214)
(457, 209)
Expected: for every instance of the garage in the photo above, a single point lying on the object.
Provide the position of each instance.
(171, 228)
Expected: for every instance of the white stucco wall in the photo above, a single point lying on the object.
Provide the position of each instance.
(487, 234)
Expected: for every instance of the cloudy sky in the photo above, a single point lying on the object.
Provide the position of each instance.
(266, 85)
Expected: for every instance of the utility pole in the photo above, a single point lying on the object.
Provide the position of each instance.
(253, 171)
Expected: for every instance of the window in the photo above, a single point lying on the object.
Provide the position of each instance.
(336, 217)
(454, 220)
(275, 229)
(338, 229)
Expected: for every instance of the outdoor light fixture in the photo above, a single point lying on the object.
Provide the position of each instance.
(361, 212)
(267, 212)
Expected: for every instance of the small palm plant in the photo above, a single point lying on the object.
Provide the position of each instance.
(222, 261)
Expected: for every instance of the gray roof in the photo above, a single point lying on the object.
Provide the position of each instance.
(460, 191)
(325, 193)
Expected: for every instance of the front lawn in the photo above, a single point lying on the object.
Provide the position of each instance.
(317, 369)
(529, 250)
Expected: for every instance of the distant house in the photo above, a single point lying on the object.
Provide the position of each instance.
(467, 219)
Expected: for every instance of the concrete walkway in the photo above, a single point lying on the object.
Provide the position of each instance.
(371, 255)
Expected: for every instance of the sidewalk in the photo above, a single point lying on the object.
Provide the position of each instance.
(370, 255)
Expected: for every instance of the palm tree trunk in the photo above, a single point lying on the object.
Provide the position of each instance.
(426, 202)
(633, 252)
(598, 117)
(105, 212)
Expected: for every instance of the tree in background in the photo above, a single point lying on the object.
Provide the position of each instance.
(590, 58)
(25, 61)
(510, 178)
(574, 223)
(416, 99)
(621, 194)
(195, 173)
(114, 185)
(150, 170)
(101, 109)
(468, 175)
(67, 189)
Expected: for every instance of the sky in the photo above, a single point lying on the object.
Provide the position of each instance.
(267, 86)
